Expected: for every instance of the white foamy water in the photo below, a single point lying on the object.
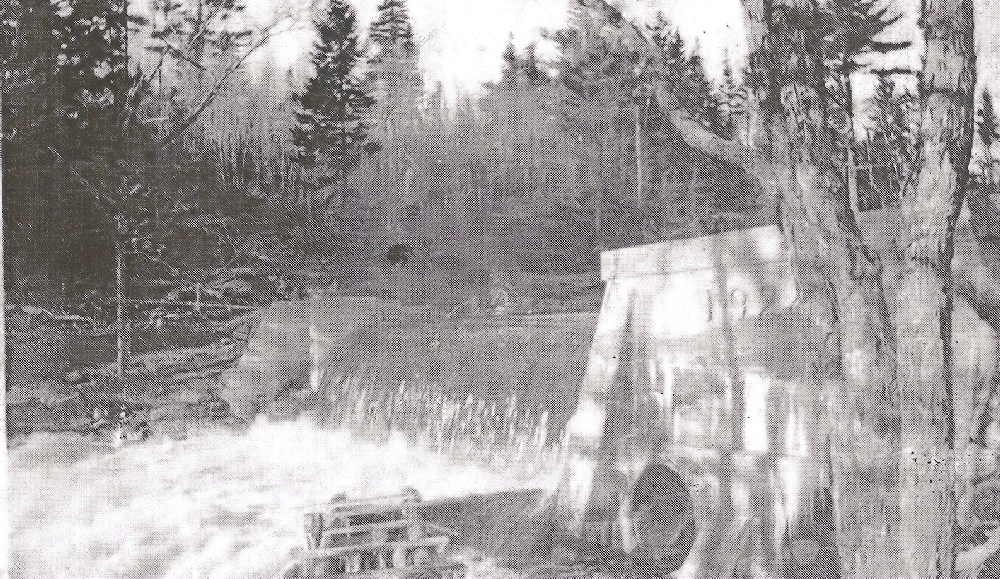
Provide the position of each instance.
(218, 504)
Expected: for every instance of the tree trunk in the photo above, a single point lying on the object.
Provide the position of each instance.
(638, 157)
(119, 302)
(930, 209)
(839, 279)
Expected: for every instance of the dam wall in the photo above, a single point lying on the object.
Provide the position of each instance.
(698, 444)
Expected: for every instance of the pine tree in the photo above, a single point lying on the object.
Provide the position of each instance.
(510, 66)
(697, 94)
(392, 32)
(31, 111)
(732, 99)
(94, 74)
(394, 67)
(532, 71)
(397, 87)
(331, 133)
(890, 149)
(983, 209)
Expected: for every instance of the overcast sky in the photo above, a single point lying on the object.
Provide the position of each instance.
(462, 41)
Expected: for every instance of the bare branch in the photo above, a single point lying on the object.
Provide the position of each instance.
(698, 137)
(98, 193)
(148, 77)
(181, 54)
(693, 133)
(209, 98)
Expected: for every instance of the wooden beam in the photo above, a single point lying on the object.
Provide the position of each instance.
(325, 552)
(398, 524)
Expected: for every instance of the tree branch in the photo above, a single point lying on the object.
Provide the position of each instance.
(691, 131)
(214, 91)
(705, 141)
(975, 274)
(181, 54)
(98, 193)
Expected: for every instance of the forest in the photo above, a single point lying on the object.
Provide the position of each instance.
(224, 158)
(149, 150)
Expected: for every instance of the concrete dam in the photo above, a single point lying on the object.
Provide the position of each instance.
(697, 445)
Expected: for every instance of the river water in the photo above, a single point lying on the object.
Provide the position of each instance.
(218, 504)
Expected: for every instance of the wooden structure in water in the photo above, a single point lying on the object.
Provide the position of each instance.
(379, 537)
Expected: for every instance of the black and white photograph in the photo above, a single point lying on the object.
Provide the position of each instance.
(500, 289)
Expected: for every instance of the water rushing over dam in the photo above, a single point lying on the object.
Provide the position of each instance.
(219, 504)
(490, 389)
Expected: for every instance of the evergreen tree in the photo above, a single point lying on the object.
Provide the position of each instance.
(94, 74)
(392, 32)
(697, 94)
(982, 200)
(31, 107)
(532, 71)
(891, 148)
(511, 64)
(732, 99)
(606, 88)
(331, 133)
(394, 67)
(397, 88)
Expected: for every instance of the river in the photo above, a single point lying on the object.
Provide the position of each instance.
(217, 504)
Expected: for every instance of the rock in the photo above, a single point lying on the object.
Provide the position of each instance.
(217, 410)
(24, 417)
(49, 393)
(187, 396)
(170, 411)
(77, 377)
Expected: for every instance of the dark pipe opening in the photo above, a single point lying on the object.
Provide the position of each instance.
(662, 520)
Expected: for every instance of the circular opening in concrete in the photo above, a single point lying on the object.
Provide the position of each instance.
(663, 521)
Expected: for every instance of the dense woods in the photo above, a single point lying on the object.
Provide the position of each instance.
(169, 129)
(226, 163)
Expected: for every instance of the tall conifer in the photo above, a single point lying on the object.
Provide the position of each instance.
(331, 133)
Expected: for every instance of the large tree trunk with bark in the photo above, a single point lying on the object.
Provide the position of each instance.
(839, 280)
(930, 209)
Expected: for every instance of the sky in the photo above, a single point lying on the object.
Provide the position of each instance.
(462, 41)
